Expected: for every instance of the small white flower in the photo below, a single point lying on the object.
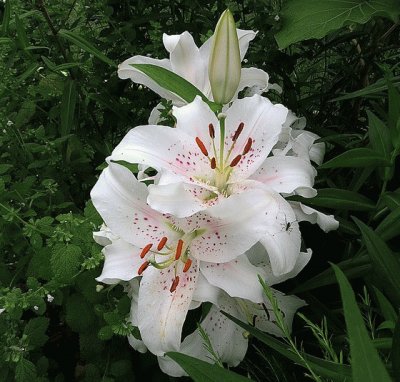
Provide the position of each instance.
(50, 298)
(36, 308)
(10, 123)
(99, 288)
(2, 310)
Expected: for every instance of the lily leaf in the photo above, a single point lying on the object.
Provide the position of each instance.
(201, 371)
(174, 83)
(365, 361)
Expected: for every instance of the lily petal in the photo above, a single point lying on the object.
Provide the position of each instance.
(238, 278)
(286, 174)
(161, 314)
(253, 77)
(262, 124)
(304, 213)
(121, 201)
(121, 262)
(226, 338)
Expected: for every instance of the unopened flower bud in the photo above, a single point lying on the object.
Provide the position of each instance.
(224, 66)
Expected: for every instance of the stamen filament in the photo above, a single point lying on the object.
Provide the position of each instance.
(179, 247)
(161, 244)
(145, 250)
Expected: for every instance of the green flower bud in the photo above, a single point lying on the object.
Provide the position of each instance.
(224, 66)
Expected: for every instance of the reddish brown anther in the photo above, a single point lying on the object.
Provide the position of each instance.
(213, 163)
(179, 247)
(238, 131)
(143, 267)
(235, 160)
(211, 130)
(187, 265)
(161, 244)
(174, 284)
(201, 146)
(247, 147)
(145, 250)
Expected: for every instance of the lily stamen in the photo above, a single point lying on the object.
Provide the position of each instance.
(145, 250)
(236, 160)
(179, 248)
(187, 265)
(213, 163)
(238, 131)
(201, 146)
(247, 148)
(211, 130)
(143, 267)
(174, 284)
(161, 244)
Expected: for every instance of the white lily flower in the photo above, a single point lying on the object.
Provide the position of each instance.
(191, 63)
(228, 340)
(169, 252)
(199, 167)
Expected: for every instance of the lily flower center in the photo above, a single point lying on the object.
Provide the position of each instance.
(169, 253)
(222, 163)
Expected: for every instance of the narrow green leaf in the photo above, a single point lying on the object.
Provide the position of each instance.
(6, 18)
(392, 200)
(396, 351)
(201, 371)
(28, 72)
(86, 46)
(352, 268)
(174, 83)
(21, 34)
(385, 306)
(389, 227)
(340, 199)
(337, 372)
(305, 19)
(360, 157)
(385, 263)
(365, 361)
(68, 103)
(379, 135)
(375, 89)
(384, 343)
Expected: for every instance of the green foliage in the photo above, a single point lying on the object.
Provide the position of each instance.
(62, 111)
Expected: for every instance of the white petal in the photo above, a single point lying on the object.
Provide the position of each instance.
(262, 123)
(303, 146)
(122, 262)
(154, 117)
(231, 227)
(245, 36)
(120, 199)
(265, 321)
(283, 238)
(134, 295)
(253, 77)
(163, 147)
(285, 174)
(259, 257)
(305, 213)
(226, 338)
(205, 292)
(194, 118)
(185, 59)
(178, 199)
(238, 278)
(161, 314)
(104, 236)
(126, 70)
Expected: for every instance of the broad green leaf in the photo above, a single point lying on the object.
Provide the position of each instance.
(396, 351)
(379, 135)
(385, 263)
(340, 199)
(374, 90)
(389, 228)
(201, 371)
(306, 19)
(174, 83)
(6, 18)
(352, 268)
(365, 362)
(77, 308)
(384, 343)
(68, 103)
(337, 372)
(86, 46)
(25, 371)
(65, 261)
(35, 330)
(360, 157)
